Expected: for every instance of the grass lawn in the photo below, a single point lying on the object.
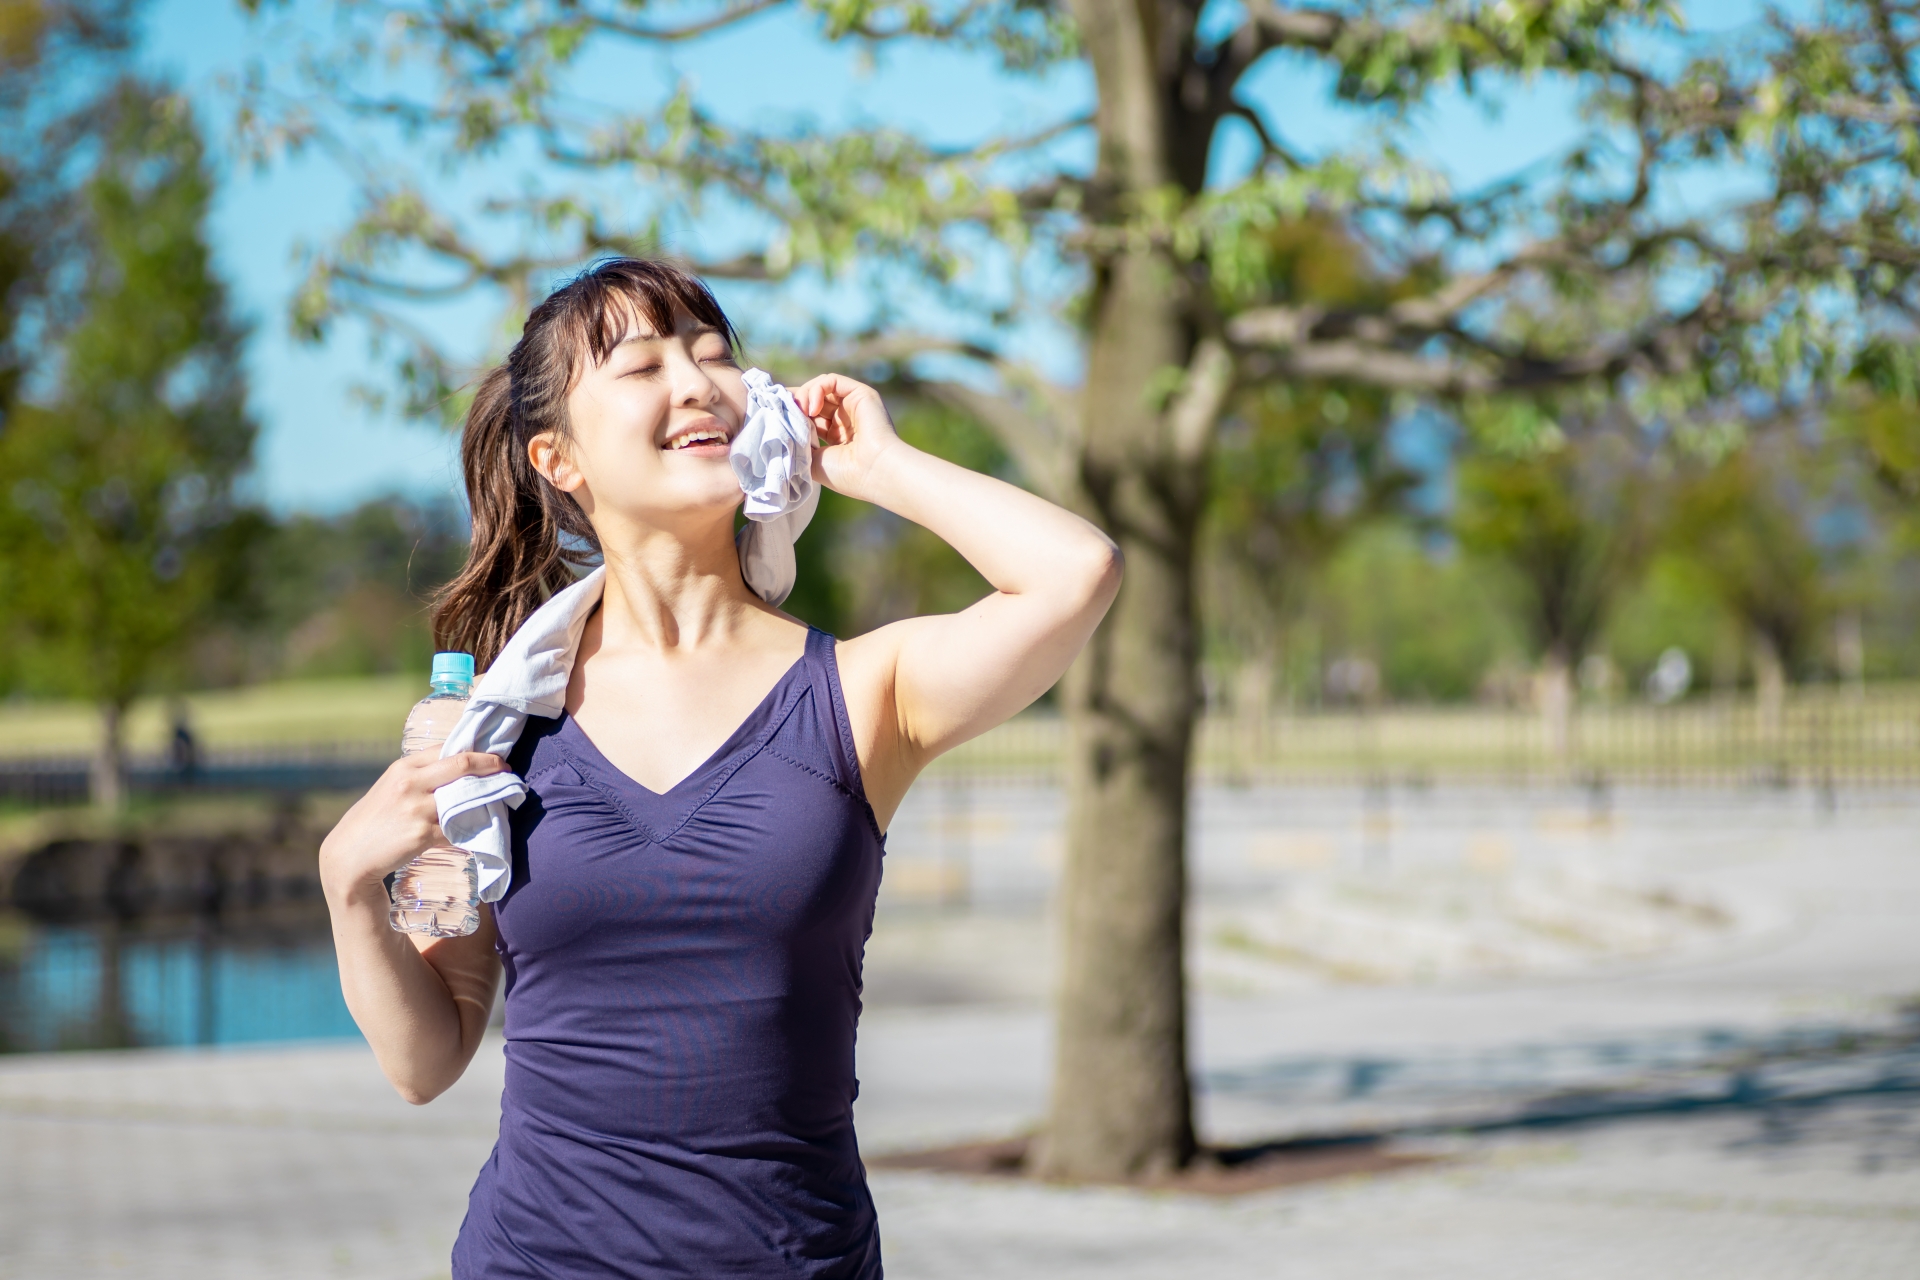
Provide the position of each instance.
(1868, 735)
(358, 710)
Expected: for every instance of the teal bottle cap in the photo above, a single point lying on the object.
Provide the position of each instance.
(452, 666)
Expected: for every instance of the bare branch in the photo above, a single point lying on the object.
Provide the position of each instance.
(1274, 326)
(1299, 28)
(1032, 418)
(1268, 143)
(1034, 440)
(1196, 409)
(1353, 361)
(674, 35)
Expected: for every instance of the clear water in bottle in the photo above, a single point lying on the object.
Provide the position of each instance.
(438, 892)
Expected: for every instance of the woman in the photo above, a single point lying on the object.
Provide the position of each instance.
(695, 867)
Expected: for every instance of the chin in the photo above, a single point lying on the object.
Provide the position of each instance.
(693, 501)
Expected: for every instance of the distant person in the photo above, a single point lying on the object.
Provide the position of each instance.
(694, 872)
(183, 751)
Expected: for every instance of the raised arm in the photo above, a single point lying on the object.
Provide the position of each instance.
(422, 1006)
(923, 686)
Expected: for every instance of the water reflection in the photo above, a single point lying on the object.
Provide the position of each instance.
(159, 937)
(118, 985)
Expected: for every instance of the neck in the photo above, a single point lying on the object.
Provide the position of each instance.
(673, 589)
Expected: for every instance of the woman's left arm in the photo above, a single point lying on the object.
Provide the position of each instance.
(931, 683)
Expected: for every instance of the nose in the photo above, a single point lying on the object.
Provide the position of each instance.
(692, 388)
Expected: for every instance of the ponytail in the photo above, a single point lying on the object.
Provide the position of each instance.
(519, 556)
(530, 540)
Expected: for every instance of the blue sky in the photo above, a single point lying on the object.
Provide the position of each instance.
(322, 450)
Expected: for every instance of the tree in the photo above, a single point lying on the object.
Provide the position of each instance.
(1167, 295)
(1878, 417)
(118, 532)
(1297, 467)
(1569, 517)
(1745, 520)
(351, 593)
(53, 54)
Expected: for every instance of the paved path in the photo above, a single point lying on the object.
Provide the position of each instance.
(300, 1163)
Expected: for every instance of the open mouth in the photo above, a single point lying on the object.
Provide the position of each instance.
(699, 439)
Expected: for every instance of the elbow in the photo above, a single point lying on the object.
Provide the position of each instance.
(417, 1097)
(418, 1092)
(1109, 565)
(1100, 575)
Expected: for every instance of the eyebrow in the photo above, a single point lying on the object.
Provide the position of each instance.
(648, 335)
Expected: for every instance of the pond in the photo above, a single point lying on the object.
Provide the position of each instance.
(140, 939)
(114, 985)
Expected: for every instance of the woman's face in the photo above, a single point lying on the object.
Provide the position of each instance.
(650, 428)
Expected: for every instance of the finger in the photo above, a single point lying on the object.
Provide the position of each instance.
(476, 764)
(812, 396)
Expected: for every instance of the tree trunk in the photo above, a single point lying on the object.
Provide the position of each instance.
(1121, 1103)
(1121, 1100)
(107, 776)
(1770, 688)
(1850, 652)
(1556, 705)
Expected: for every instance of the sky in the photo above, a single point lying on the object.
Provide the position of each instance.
(323, 450)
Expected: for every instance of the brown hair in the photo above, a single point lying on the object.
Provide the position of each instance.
(529, 538)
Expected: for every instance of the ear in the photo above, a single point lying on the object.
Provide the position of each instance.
(551, 461)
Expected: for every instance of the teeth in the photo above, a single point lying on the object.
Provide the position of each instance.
(698, 437)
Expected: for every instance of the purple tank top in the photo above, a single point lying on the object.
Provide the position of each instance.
(683, 988)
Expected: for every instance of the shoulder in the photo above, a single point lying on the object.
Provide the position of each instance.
(868, 664)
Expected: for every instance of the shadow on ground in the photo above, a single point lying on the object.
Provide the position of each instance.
(1376, 1115)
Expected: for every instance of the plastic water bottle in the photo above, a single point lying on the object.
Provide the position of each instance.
(438, 893)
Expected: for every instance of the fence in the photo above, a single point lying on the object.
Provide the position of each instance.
(1819, 736)
(342, 766)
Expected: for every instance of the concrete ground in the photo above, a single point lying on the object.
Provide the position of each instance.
(1734, 1097)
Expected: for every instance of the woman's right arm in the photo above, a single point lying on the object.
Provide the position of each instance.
(422, 1007)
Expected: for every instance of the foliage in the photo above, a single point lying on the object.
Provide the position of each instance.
(1296, 467)
(119, 536)
(1580, 289)
(1673, 605)
(861, 567)
(1570, 521)
(54, 57)
(349, 594)
(1774, 290)
(1745, 521)
(1431, 620)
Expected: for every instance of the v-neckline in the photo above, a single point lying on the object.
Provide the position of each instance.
(745, 730)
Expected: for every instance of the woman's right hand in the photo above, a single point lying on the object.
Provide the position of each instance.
(395, 820)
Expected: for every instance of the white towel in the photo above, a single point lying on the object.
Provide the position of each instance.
(529, 678)
(773, 458)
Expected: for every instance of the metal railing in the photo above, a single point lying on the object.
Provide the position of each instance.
(1817, 736)
(336, 766)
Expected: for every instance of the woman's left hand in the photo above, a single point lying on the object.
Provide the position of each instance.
(853, 428)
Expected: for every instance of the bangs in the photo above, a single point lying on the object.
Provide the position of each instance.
(610, 299)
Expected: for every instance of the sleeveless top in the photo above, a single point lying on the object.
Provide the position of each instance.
(682, 993)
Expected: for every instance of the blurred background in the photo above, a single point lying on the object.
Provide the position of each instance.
(1510, 416)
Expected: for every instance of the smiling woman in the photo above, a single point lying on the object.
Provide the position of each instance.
(530, 538)
(694, 870)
